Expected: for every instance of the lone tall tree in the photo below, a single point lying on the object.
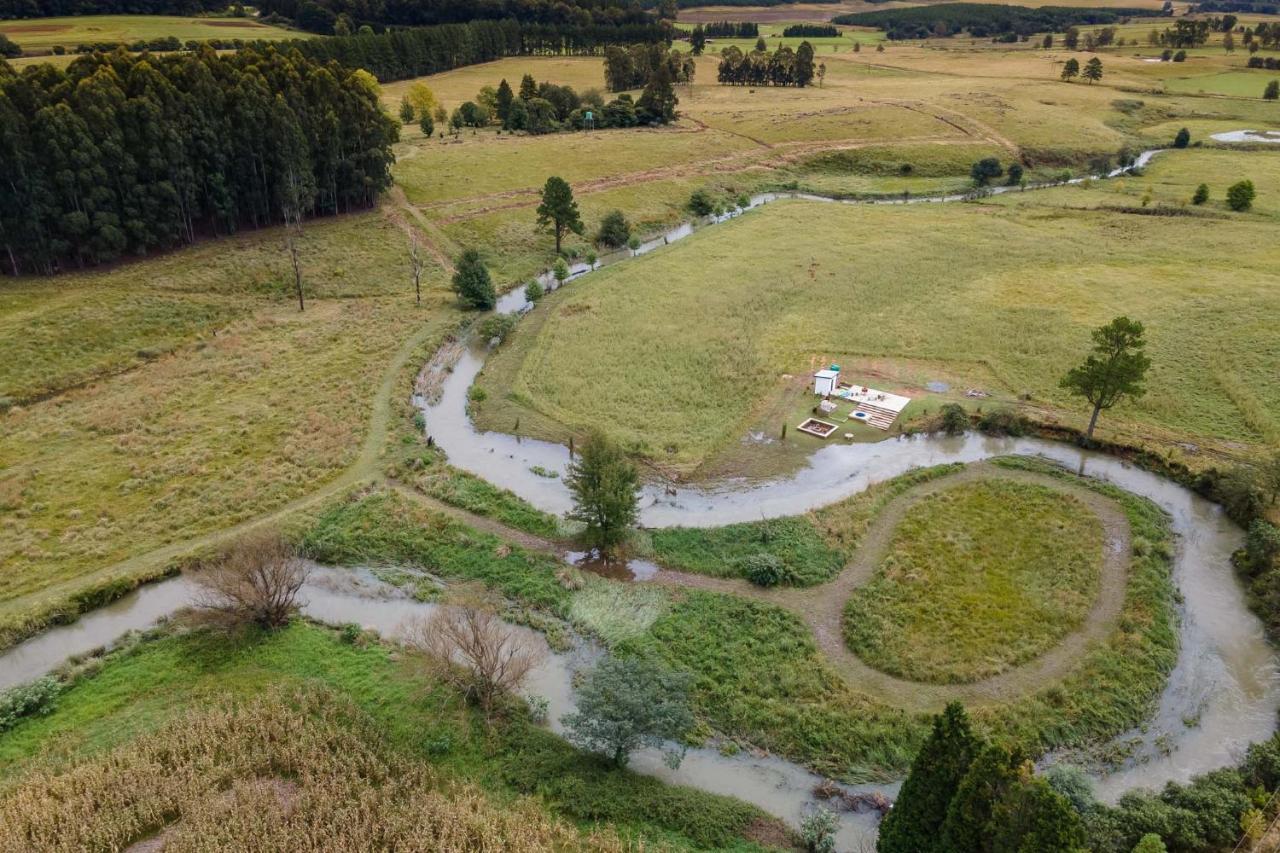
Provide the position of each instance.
(415, 266)
(921, 808)
(472, 283)
(1092, 70)
(559, 210)
(1114, 370)
(603, 483)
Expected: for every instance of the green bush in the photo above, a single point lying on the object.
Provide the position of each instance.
(496, 327)
(1004, 422)
(700, 204)
(533, 291)
(1240, 195)
(615, 231)
(954, 420)
(720, 551)
(28, 700)
(765, 570)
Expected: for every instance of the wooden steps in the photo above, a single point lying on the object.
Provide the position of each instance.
(878, 417)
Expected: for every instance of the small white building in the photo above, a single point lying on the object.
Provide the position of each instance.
(825, 382)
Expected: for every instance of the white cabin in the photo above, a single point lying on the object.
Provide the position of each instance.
(825, 382)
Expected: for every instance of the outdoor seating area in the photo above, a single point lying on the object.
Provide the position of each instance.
(879, 409)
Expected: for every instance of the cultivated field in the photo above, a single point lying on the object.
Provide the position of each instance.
(41, 35)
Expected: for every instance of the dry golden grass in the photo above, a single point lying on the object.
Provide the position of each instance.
(299, 770)
(240, 418)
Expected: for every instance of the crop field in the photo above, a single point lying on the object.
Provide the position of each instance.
(161, 401)
(41, 35)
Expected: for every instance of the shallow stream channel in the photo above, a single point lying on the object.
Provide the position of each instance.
(1222, 695)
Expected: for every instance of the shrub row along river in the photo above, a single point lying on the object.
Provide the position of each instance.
(1222, 695)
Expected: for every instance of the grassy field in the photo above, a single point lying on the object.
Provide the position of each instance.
(166, 400)
(1244, 84)
(851, 286)
(41, 35)
(332, 724)
(979, 578)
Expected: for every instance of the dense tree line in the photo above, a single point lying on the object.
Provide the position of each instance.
(782, 67)
(811, 31)
(982, 20)
(322, 15)
(1249, 7)
(634, 66)
(401, 54)
(59, 8)
(124, 154)
(731, 30)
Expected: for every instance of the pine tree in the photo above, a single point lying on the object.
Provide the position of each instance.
(1070, 69)
(472, 283)
(528, 88)
(559, 210)
(698, 40)
(914, 824)
(969, 813)
(604, 485)
(504, 99)
(406, 111)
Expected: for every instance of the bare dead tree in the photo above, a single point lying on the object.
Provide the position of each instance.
(473, 650)
(415, 264)
(254, 580)
(293, 206)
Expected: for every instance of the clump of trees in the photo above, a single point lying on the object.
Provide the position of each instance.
(964, 794)
(782, 67)
(539, 108)
(811, 31)
(605, 486)
(328, 16)
(627, 703)
(732, 29)
(121, 154)
(1114, 371)
(254, 580)
(1092, 70)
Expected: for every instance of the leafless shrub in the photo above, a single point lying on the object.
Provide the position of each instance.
(472, 649)
(253, 581)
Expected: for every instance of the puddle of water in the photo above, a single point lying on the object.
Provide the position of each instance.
(1247, 136)
(619, 569)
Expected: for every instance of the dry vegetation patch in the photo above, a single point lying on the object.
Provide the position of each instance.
(295, 770)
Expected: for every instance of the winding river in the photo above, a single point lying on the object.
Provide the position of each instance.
(1222, 695)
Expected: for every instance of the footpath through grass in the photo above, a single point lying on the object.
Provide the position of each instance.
(979, 578)
(358, 698)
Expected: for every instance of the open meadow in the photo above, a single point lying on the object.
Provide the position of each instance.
(41, 35)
